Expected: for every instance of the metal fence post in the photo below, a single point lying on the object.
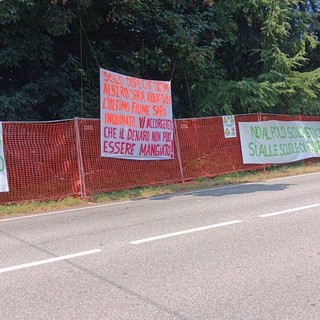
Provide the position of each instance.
(82, 183)
(178, 149)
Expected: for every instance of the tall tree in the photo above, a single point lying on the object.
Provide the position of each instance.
(45, 76)
(222, 56)
(266, 68)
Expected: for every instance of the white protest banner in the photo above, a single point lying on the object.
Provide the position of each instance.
(4, 187)
(229, 126)
(136, 118)
(279, 141)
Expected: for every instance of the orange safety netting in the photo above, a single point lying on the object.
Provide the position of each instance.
(58, 159)
(106, 174)
(41, 160)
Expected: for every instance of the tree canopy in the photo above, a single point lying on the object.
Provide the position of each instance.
(223, 57)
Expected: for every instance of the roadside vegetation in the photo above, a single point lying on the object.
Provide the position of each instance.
(273, 172)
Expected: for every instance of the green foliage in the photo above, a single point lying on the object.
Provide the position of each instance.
(268, 68)
(222, 56)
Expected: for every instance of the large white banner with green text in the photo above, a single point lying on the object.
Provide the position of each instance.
(279, 141)
(3, 170)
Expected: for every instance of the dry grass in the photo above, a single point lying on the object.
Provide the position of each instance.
(33, 207)
(203, 183)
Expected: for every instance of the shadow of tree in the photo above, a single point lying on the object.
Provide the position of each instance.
(228, 190)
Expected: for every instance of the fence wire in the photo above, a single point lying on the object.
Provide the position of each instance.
(52, 160)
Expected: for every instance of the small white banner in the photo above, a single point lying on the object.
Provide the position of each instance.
(279, 141)
(4, 187)
(136, 118)
(229, 126)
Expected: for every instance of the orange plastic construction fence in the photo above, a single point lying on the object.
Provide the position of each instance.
(52, 160)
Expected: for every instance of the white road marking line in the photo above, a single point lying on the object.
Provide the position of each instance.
(37, 263)
(63, 211)
(185, 232)
(288, 211)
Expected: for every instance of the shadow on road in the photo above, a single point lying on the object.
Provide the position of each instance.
(228, 190)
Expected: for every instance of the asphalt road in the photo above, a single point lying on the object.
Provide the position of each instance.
(250, 251)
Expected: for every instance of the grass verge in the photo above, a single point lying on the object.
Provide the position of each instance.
(33, 207)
